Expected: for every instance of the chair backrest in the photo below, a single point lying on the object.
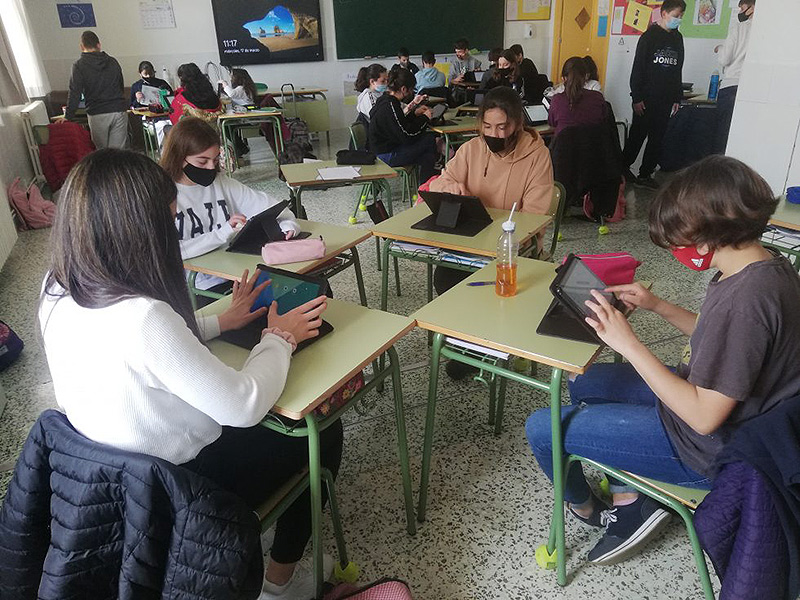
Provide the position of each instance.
(444, 68)
(358, 133)
(557, 205)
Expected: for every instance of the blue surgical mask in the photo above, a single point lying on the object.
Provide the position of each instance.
(380, 88)
(673, 22)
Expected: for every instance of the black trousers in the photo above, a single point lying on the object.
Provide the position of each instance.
(445, 278)
(725, 103)
(254, 462)
(650, 126)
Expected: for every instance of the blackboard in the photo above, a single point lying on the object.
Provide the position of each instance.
(371, 28)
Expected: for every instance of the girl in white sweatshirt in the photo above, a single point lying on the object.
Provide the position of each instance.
(211, 205)
(128, 360)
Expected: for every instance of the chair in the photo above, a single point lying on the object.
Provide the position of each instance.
(272, 508)
(682, 500)
(557, 205)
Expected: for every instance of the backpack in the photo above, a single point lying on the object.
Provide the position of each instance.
(10, 346)
(383, 589)
(33, 210)
(294, 153)
(298, 130)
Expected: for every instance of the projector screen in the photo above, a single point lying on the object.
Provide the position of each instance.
(258, 32)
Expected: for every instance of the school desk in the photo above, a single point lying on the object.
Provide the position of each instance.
(305, 176)
(398, 228)
(786, 216)
(467, 126)
(312, 108)
(148, 129)
(508, 325)
(231, 265)
(359, 336)
(252, 118)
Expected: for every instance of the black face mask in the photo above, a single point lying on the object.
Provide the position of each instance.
(504, 72)
(495, 144)
(204, 177)
(742, 16)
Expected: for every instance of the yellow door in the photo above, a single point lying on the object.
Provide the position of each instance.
(576, 34)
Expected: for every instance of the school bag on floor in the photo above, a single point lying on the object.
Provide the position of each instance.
(298, 129)
(33, 210)
(10, 346)
(383, 589)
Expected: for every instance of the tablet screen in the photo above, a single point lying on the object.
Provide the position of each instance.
(288, 291)
(536, 113)
(577, 284)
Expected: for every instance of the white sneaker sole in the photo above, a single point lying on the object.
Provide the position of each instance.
(650, 527)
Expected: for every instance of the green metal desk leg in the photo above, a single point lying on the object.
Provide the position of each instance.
(446, 147)
(315, 486)
(385, 274)
(501, 399)
(556, 541)
(402, 441)
(193, 288)
(438, 342)
(429, 274)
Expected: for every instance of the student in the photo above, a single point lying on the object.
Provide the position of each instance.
(429, 77)
(195, 91)
(461, 64)
(98, 78)
(576, 105)
(128, 358)
(371, 84)
(731, 55)
(399, 136)
(494, 56)
(507, 163)
(741, 360)
(210, 205)
(242, 89)
(404, 62)
(509, 73)
(148, 77)
(527, 68)
(656, 89)
(592, 75)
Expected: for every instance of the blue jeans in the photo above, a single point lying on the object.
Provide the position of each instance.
(421, 152)
(613, 420)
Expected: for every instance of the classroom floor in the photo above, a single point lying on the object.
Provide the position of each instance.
(489, 505)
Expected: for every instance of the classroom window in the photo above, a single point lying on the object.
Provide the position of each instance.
(19, 38)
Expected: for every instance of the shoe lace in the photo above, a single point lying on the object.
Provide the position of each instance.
(608, 516)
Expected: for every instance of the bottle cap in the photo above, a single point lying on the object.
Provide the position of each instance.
(509, 226)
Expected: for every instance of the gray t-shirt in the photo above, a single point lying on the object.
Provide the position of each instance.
(746, 345)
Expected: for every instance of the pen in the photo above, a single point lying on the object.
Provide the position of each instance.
(479, 283)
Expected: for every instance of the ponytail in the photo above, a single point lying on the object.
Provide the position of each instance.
(367, 74)
(575, 75)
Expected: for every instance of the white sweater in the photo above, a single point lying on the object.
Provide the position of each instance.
(203, 214)
(238, 94)
(366, 100)
(133, 376)
(732, 53)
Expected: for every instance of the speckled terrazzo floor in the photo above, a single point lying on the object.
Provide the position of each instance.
(489, 504)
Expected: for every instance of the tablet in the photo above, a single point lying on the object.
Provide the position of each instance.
(574, 284)
(536, 114)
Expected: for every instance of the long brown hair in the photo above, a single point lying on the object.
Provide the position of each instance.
(114, 236)
(575, 75)
(240, 77)
(507, 100)
(188, 137)
(513, 73)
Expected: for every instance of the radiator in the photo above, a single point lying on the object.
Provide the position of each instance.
(34, 115)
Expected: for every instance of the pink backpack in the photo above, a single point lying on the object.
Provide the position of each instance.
(383, 589)
(33, 210)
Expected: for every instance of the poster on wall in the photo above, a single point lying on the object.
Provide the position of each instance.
(76, 15)
(706, 19)
(707, 12)
(527, 10)
(259, 32)
(633, 17)
(156, 14)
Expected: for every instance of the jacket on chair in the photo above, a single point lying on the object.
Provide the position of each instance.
(83, 520)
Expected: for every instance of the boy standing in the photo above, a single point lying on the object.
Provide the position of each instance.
(656, 90)
(98, 78)
(429, 77)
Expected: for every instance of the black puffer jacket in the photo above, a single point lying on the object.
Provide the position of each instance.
(83, 520)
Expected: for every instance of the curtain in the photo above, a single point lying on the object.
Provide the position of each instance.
(18, 51)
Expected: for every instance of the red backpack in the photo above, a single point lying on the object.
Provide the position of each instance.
(33, 210)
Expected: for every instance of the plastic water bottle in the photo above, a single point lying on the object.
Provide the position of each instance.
(507, 252)
(713, 87)
(165, 75)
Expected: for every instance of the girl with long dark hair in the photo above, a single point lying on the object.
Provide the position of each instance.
(576, 105)
(195, 91)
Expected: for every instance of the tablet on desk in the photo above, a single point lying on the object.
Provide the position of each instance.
(536, 114)
(261, 229)
(289, 290)
(459, 215)
(566, 315)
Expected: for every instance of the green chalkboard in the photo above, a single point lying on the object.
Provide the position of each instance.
(370, 28)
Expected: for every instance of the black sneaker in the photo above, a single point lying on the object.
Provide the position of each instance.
(594, 520)
(647, 182)
(627, 528)
(458, 371)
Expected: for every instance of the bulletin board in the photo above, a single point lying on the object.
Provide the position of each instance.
(706, 19)
(625, 22)
(527, 10)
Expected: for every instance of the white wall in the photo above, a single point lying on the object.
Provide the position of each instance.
(766, 120)
(194, 40)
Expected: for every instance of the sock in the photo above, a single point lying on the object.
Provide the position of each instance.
(584, 507)
(626, 502)
(274, 588)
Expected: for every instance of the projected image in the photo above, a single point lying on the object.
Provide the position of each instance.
(263, 31)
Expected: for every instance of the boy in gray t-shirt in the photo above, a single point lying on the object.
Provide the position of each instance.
(463, 62)
(744, 348)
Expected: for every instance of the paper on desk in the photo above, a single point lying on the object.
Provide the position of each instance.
(415, 248)
(330, 173)
(476, 348)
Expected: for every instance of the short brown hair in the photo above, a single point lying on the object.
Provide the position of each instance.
(719, 201)
(188, 137)
(670, 5)
(90, 40)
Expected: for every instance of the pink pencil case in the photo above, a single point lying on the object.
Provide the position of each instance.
(291, 251)
(614, 268)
